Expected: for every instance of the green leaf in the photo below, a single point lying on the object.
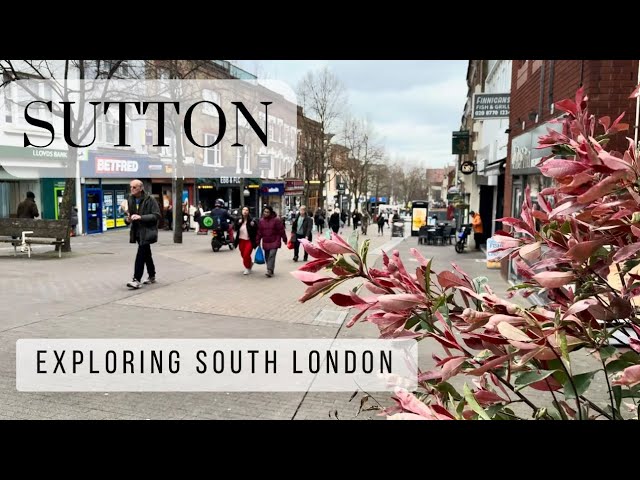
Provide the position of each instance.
(444, 310)
(479, 283)
(344, 263)
(426, 326)
(460, 409)
(427, 277)
(353, 240)
(364, 250)
(412, 322)
(446, 387)
(565, 228)
(473, 403)
(555, 415)
(494, 410)
(581, 381)
(560, 410)
(617, 394)
(617, 366)
(631, 357)
(483, 355)
(527, 378)
(606, 352)
(616, 415)
(563, 347)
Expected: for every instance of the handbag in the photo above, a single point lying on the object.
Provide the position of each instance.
(291, 243)
(259, 258)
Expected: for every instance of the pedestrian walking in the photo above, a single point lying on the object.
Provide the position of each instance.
(271, 233)
(246, 228)
(301, 227)
(143, 214)
(334, 221)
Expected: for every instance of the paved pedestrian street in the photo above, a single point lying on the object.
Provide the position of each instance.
(199, 294)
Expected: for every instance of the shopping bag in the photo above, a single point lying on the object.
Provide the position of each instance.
(259, 258)
(327, 234)
(291, 243)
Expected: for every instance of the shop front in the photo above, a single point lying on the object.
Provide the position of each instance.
(293, 192)
(272, 194)
(30, 169)
(105, 185)
(525, 174)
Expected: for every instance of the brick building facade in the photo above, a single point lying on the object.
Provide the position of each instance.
(535, 87)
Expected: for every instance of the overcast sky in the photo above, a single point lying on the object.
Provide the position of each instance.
(413, 105)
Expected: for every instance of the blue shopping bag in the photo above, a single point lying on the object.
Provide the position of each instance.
(259, 258)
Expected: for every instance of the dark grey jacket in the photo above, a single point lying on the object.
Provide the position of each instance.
(146, 229)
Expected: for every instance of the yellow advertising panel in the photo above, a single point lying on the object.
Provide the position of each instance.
(419, 218)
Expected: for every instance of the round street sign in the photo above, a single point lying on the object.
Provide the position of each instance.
(467, 167)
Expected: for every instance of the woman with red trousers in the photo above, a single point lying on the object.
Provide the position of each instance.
(246, 230)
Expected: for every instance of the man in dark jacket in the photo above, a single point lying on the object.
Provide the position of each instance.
(301, 227)
(143, 216)
(28, 208)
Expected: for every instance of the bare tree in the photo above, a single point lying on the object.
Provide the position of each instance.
(13, 70)
(177, 70)
(322, 96)
(358, 137)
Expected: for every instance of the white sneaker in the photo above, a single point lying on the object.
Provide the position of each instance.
(134, 284)
(246, 271)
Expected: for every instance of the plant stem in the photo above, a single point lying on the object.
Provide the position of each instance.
(596, 408)
(570, 379)
(604, 368)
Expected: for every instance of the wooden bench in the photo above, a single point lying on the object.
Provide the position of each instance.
(26, 231)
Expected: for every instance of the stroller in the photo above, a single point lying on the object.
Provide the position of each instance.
(463, 234)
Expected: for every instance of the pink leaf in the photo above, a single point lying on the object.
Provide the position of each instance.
(582, 251)
(490, 365)
(313, 250)
(626, 252)
(309, 278)
(316, 288)
(333, 247)
(561, 168)
(635, 93)
(554, 279)
(605, 122)
(400, 301)
(612, 162)
(580, 306)
(448, 280)
(418, 256)
(630, 376)
(343, 300)
(634, 344)
(567, 106)
(452, 367)
(548, 384)
(530, 252)
(374, 288)
(485, 397)
(316, 265)
(602, 188)
(510, 332)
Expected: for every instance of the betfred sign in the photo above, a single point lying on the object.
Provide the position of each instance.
(115, 165)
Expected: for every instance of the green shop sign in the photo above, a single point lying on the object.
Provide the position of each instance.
(32, 153)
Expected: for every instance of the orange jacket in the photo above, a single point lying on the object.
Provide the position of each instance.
(477, 223)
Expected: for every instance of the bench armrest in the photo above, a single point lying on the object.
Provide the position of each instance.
(24, 234)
